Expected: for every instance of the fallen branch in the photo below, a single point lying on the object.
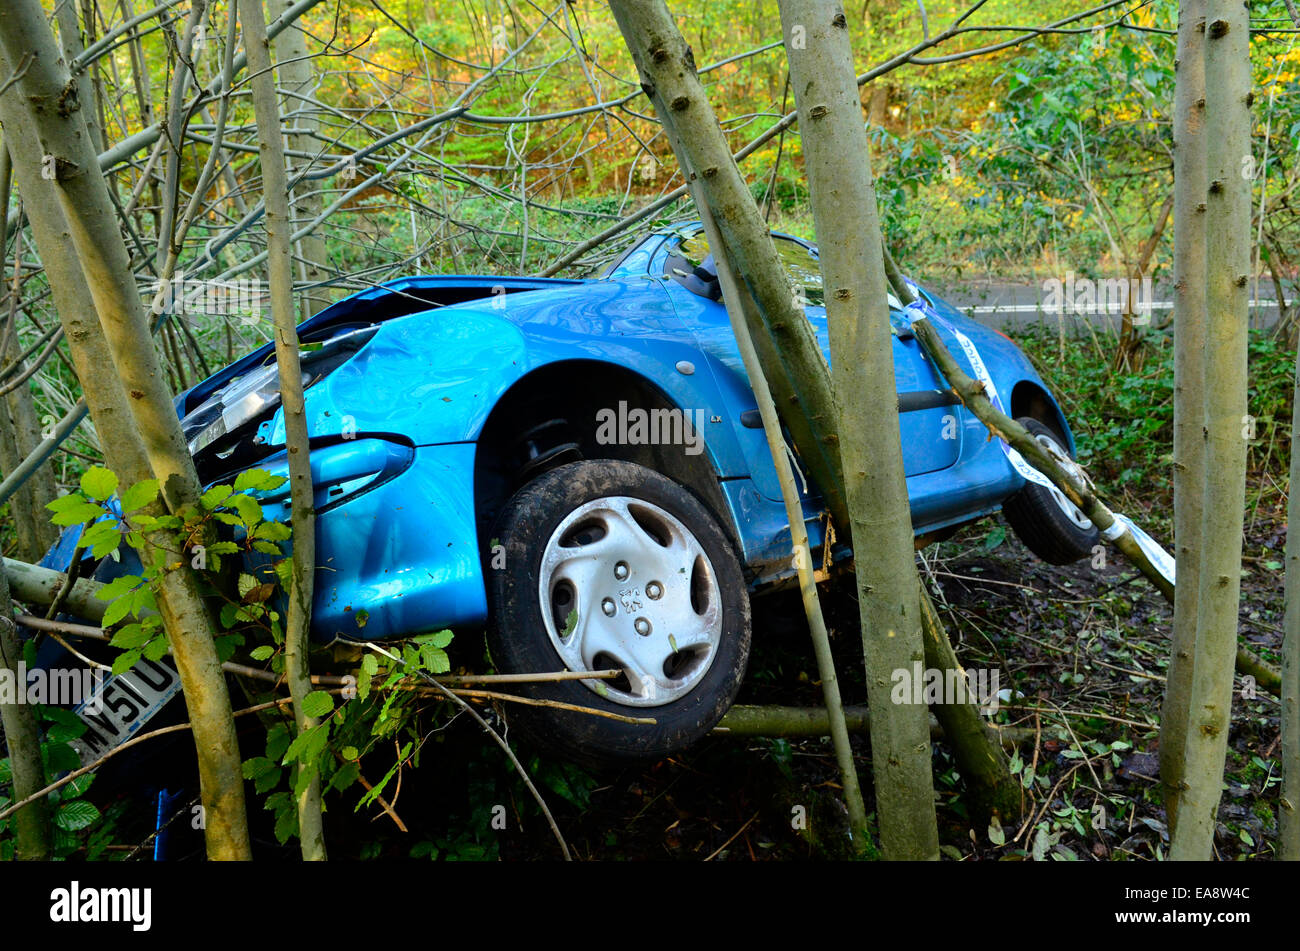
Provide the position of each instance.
(795, 722)
(557, 704)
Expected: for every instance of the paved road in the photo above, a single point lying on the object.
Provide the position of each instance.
(1010, 304)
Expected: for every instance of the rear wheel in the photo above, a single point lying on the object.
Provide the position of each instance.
(612, 566)
(1050, 525)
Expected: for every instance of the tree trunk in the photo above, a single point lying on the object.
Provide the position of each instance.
(65, 12)
(22, 735)
(275, 189)
(297, 80)
(984, 767)
(1227, 225)
(711, 150)
(44, 95)
(837, 728)
(19, 431)
(1289, 801)
(792, 361)
(1189, 381)
(837, 163)
(37, 532)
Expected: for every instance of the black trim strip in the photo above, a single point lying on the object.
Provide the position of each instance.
(925, 399)
(910, 402)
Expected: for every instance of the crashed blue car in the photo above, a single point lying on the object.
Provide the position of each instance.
(578, 468)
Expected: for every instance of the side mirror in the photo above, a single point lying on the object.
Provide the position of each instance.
(701, 279)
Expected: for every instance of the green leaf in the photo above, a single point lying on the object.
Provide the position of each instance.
(259, 480)
(65, 502)
(317, 703)
(246, 584)
(307, 746)
(133, 635)
(215, 496)
(83, 511)
(123, 584)
(345, 776)
(257, 766)
(440, 639)
(139, 495)
(75, 815)
(98, 483)
(126, 660)
(273, 531)
(249, 511)
(262, 652)
(101, 538)
(156, 649)
(996, 536)
(62, 757)
(116, 612)
(435, 660)
(78, 787)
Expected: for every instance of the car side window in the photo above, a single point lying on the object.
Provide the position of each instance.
(800, 263)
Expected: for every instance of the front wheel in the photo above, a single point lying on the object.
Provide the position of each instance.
(612, 566)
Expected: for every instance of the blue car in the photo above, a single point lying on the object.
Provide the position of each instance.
(578, 468)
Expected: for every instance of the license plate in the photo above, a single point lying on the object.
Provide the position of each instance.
(123, 704)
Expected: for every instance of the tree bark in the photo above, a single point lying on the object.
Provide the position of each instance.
(1189, 385)
(787, 347)
(23, 737)
(837, 164)
(44, 99)
(1289, 804)
(796, 722)
(275, 188)
(33, 584)
(20, 432)
(836, 726)
(1289, 800)
(297, 80)
(1227, 225)
(984, 767)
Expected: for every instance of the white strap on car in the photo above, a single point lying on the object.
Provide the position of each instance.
(1161, 560)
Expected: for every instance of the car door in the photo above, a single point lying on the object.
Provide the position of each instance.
(929, 423)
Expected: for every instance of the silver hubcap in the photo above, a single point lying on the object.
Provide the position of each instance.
(1072, 511)
(625, 585)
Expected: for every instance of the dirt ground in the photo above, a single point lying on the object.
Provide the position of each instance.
(1081, 652)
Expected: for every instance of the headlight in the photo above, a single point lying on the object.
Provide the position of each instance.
(257, 392)
(223, 412)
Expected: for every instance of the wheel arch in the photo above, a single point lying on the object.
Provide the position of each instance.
(528, 411)
(1031, 399)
